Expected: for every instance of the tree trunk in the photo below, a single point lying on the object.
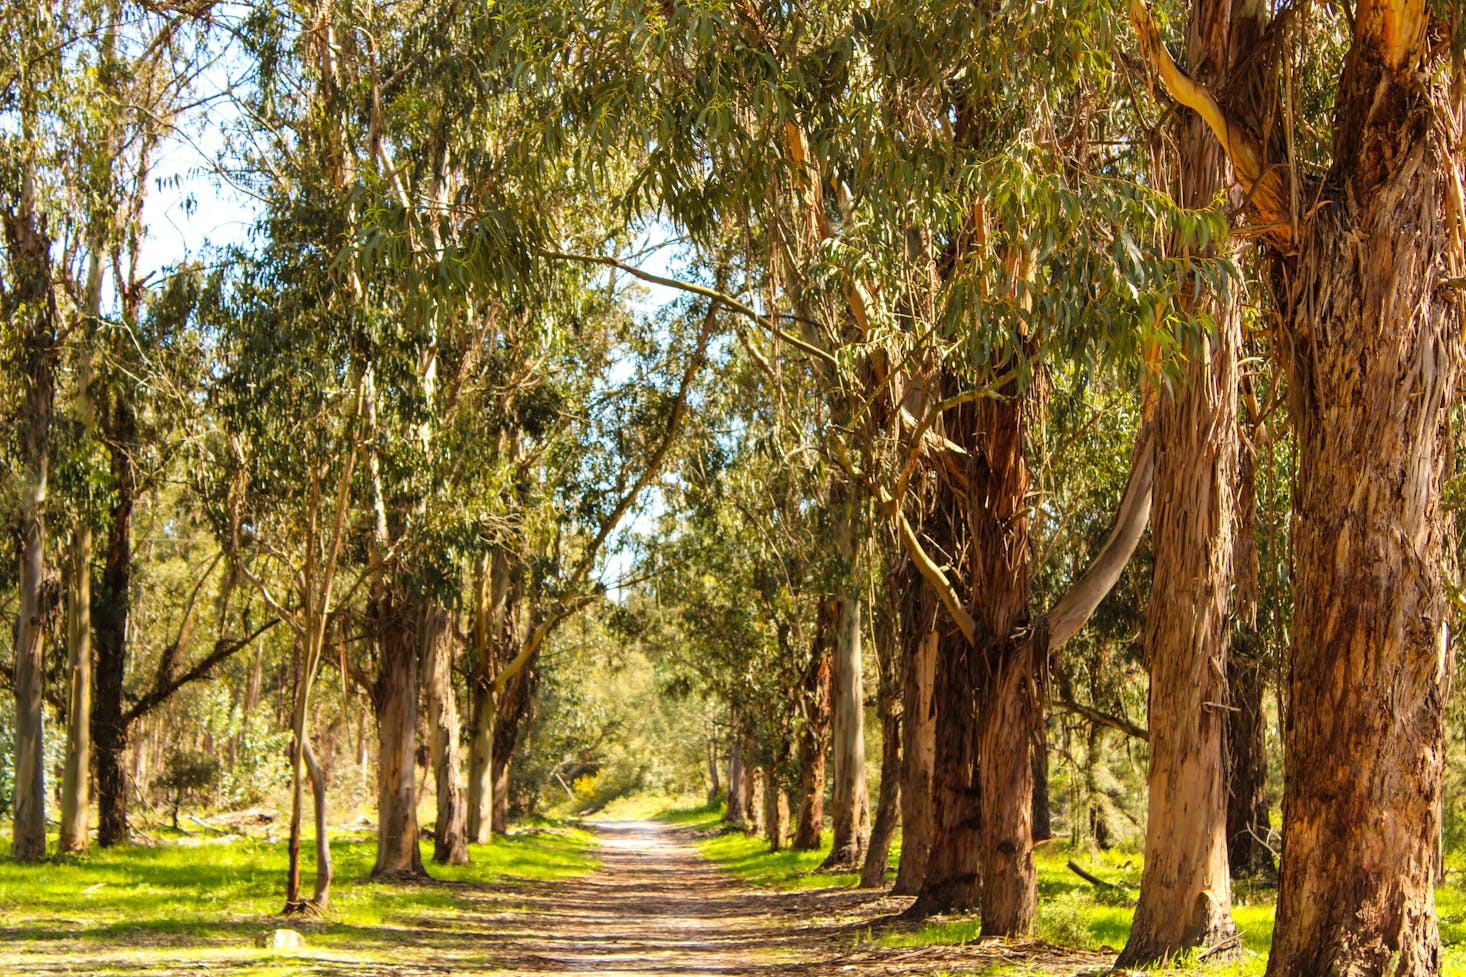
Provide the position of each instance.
(776, 809)
(513, 711)
(918, 748)
(394, 699)
(33, 306)
(500, 772)
(1010, 715)
(1373, 356)
(1248, 827)
(75, 795)
(888, 798)
(324, 872)
(850, 799)
(1043, 822)
(450, 834)
(1185, 887)
(111, 611)
(753, 801)
(814, 735)
(952, 881)
(75, 779)
(480, 764)
(734, 812)
(1248, 854)
(716, 787)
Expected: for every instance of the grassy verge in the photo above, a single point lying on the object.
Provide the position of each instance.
(1074, 913)
(136, 910)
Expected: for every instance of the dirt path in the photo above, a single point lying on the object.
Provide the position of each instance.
(657, 908)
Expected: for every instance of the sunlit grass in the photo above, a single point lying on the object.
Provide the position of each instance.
(135, 907)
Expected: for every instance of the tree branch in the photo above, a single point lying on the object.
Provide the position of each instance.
(1263, 184)
(1073, 610)
(1102, 718)
(161, 691)
(933, 574)
(708, 293)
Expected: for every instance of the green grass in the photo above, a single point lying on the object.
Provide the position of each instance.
(132, 908)
(1073, 913)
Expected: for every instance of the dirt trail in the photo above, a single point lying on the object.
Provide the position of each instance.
(657, 908)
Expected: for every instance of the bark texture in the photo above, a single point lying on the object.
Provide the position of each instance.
(450, 833)
(889, 647)
(111, 611)
(74, 835)
(951, 881)
(850, 797)
(394, 699)
(814, 734)
(1248, 826)
(918, 751)
(776, 809)
(1013, 669)
(32, 305)
(1185, 888)
(734, 813)
(1373, 360)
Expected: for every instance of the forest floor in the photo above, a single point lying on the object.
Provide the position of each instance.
(636, 900)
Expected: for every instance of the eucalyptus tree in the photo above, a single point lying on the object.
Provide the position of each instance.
(292, 396)
(1362, 230)
(1188, 622)
(35, 97)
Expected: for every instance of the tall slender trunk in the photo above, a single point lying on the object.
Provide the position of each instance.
(303, 763)
(1248, 854)
(32, 303)
(850, 798)
(734, 813)
(776, 808)
(918, 750)
(1185, 888)
(112, 609)
(321, 896)
(1373, 352)
(75, 778)
(814, 734)
(75, 795)
(888, 796)
(394, 699)
(1010, 714)
(450, 833)
(716, 786)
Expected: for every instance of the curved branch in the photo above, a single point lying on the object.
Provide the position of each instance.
(1074, 609)
(696, 289)
(933, 574)
(1101, 718)
(1263, 184)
